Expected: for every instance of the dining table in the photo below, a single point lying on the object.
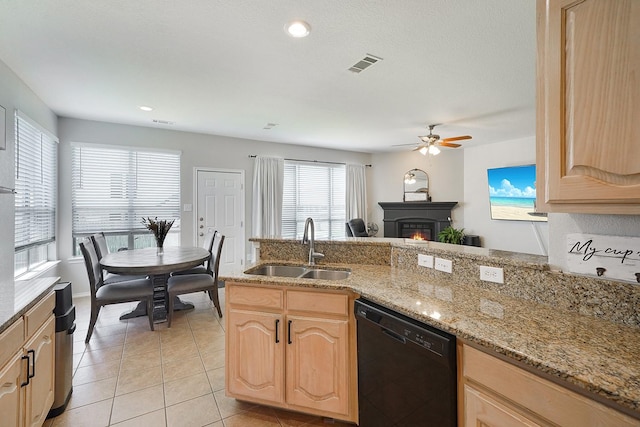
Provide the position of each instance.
(158, 266)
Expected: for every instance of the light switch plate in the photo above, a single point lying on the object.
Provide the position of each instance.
(445, 265)
(491, 274)
(425, 260)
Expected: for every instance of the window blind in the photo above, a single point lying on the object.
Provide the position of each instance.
(113, 188)
(36, 160)
(315, 190)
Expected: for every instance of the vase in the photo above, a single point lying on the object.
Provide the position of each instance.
(159, 249)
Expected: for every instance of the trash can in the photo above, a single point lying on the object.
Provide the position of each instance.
(65, 314)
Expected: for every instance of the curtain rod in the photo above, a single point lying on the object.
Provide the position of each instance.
(253, 156)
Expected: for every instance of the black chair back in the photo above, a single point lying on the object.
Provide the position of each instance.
(358, 227)
(208, 245)
(100, 245)
(216, 252)
(94, 270)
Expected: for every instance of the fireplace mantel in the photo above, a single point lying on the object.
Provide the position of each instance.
(436, 213)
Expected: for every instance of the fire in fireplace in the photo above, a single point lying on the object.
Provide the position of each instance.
(417, 230)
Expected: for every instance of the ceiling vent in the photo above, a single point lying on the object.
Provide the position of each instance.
(163, 122)
(364, 63)
(270, 126)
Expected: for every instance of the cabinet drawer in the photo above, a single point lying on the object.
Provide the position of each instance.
(11, 341)
(39, 314)
(548, 400)
(318, 302)
(255, 297)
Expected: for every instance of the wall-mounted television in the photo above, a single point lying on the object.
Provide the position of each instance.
(512, 193)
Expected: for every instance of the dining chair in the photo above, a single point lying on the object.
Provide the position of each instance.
(100, 244)
(187, 283)
(206, 267)
(113, 293)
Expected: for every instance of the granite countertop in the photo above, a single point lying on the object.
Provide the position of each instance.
(16, 298)
(595, 355)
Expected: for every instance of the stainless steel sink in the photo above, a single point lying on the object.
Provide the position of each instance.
(299, 271)
(279, 270)
(326, 274)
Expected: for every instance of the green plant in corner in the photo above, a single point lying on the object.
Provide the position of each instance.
(451, 235)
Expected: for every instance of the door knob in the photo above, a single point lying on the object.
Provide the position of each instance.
(201, 219)
(201, 234)
(201, 225)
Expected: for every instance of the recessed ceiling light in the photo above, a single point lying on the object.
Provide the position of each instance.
(145, 108)
(297, 29)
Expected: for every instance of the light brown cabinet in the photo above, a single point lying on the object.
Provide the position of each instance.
(588, 106)
(292, 348)
(495, 393)
(27, 367)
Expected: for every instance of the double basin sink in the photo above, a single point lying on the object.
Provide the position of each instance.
(300, 272)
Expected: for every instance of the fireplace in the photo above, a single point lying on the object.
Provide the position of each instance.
(416, 220)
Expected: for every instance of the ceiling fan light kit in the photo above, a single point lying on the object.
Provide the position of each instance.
(430, 143)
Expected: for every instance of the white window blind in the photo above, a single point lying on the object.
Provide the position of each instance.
(315, 190)
(113, 188)
(36, 160)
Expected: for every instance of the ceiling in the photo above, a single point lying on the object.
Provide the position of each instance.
(227, 67)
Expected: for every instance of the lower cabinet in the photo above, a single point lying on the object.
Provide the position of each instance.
(27, 377)
(495, 393)
(293, 349)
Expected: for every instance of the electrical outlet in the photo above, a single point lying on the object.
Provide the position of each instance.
(425, 260)
(491, 274)
(444, 265)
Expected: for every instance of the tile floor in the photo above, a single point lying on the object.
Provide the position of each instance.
(130, 376)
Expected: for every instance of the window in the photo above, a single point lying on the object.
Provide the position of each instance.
(36, 160)
(315, 190)
(114, 187)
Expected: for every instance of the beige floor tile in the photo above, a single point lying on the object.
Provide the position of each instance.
(209, 346)
(141, 361)
(93, 392)
(216, 379)
(92, 357)
(256, 417)
(186, 388)
(182, 368)
(195, 412)
(142, 345)
(216, 424)
(137, 403)
(179, 351)
(94, 415)
(133, 380)
(207, 334)
(229, 406)
(152, 419)
(213, 360)
(97, 372)
(101, 342)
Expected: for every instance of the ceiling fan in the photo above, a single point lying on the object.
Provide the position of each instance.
(431, 142)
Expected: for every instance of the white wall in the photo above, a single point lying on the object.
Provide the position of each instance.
(515, 236)
(15, 95)
(446, 184)
(198, 150)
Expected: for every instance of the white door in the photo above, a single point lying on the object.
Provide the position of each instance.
(220, 206)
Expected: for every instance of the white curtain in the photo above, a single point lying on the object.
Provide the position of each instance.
(268, 179)
(356, 192)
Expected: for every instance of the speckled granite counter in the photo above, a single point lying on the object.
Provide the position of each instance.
(16, 298)
(589, 353)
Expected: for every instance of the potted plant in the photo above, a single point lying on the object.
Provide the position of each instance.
(451, 235)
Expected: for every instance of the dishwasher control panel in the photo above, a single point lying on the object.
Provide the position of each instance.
(405, 329)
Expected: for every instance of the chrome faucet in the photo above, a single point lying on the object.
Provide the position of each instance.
(310, 238)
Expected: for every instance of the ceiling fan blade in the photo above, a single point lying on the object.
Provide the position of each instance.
(448, 144)
(403, 145)
(457, 138)
(419, 147)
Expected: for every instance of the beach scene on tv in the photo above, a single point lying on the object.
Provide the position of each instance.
(512, 193)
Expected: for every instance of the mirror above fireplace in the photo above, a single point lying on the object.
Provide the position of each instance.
(416, 186)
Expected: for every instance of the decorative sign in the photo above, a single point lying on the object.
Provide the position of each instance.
(609, 257)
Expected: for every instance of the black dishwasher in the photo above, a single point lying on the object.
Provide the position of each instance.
(406, 370)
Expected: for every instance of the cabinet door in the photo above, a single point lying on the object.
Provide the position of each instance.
(480, 410)
(10, 391)
(588, 106)
(317, 364)
(40, 391)
(255, 355)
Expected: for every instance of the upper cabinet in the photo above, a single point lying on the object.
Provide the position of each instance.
(588, 106)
